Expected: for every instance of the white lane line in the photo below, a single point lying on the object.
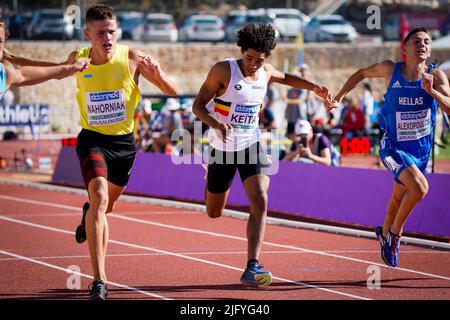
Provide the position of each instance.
(48, 265)
(323, 253)
(215, 234)
(348, 231)
(132, 245)
(42, 203)
(60, 214)
(214, 253)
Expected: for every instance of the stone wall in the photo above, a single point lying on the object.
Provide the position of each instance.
(331, 65)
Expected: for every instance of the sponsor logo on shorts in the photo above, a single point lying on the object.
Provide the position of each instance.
(238, 87)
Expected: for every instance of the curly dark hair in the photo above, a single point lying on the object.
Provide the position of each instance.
(258, 37)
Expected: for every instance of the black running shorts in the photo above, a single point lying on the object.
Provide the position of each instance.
(111, 157)
(222, 166)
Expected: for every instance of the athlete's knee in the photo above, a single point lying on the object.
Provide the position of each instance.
(259, 200)
(420, 190)
(99, 200)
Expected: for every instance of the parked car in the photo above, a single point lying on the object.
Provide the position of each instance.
(288, 21)
(50, 24)
(199, 27)
(262, 18)
(128, 21)
(252, 16)
(18, 24)
(156, 27)
(233, 21)
(329, 28)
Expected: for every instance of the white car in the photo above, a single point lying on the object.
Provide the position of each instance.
(332, 28)
(201, 27)
(288, 21)
(156, 27)
(50, 24)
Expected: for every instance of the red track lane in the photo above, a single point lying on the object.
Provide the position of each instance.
(182, 254)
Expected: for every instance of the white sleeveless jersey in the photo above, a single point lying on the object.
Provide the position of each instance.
(239, 106)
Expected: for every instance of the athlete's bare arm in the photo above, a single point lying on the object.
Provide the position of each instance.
(149, 67)
(296, 82)
(438, 87)
(27, 76)
(383, 69)
(22, 61)
(215, 85)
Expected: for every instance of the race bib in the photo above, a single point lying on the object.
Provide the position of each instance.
(413, 125)
(105, 108)
(244, 117)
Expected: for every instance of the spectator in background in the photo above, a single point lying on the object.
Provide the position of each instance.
(296, 102)
(267, 117)
(171, 120)
(353, 123)
(309, 147)
(143, 125)
(368, 104)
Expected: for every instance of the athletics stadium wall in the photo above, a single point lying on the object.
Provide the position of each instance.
(344, 195)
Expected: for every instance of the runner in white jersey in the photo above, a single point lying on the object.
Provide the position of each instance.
(239, 106)
(229, 102)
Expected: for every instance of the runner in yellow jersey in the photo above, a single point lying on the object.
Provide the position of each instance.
(108, 95)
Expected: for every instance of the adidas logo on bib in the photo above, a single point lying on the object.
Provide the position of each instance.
(396, 84)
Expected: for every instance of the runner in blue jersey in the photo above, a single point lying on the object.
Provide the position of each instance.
(414, 92)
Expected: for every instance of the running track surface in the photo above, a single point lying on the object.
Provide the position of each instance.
(159, 252)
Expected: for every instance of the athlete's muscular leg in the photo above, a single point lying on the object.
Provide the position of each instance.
(114, 192)
(215, 203)
(416, 189)
(97, 225)
(393, 206)
(256, 188)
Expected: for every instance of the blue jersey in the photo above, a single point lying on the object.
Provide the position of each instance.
(2, 80)
(408, 115)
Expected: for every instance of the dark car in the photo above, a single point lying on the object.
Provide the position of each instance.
(18, 24)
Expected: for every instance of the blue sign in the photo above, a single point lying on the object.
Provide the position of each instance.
(24, 114)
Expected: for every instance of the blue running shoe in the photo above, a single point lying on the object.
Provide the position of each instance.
(254, 276)
(391, 249)
(382, 239)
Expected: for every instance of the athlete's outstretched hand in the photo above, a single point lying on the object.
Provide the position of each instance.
(331, 104)
(224, 129)
(323, 92)
(427, 82)
(80, 64)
